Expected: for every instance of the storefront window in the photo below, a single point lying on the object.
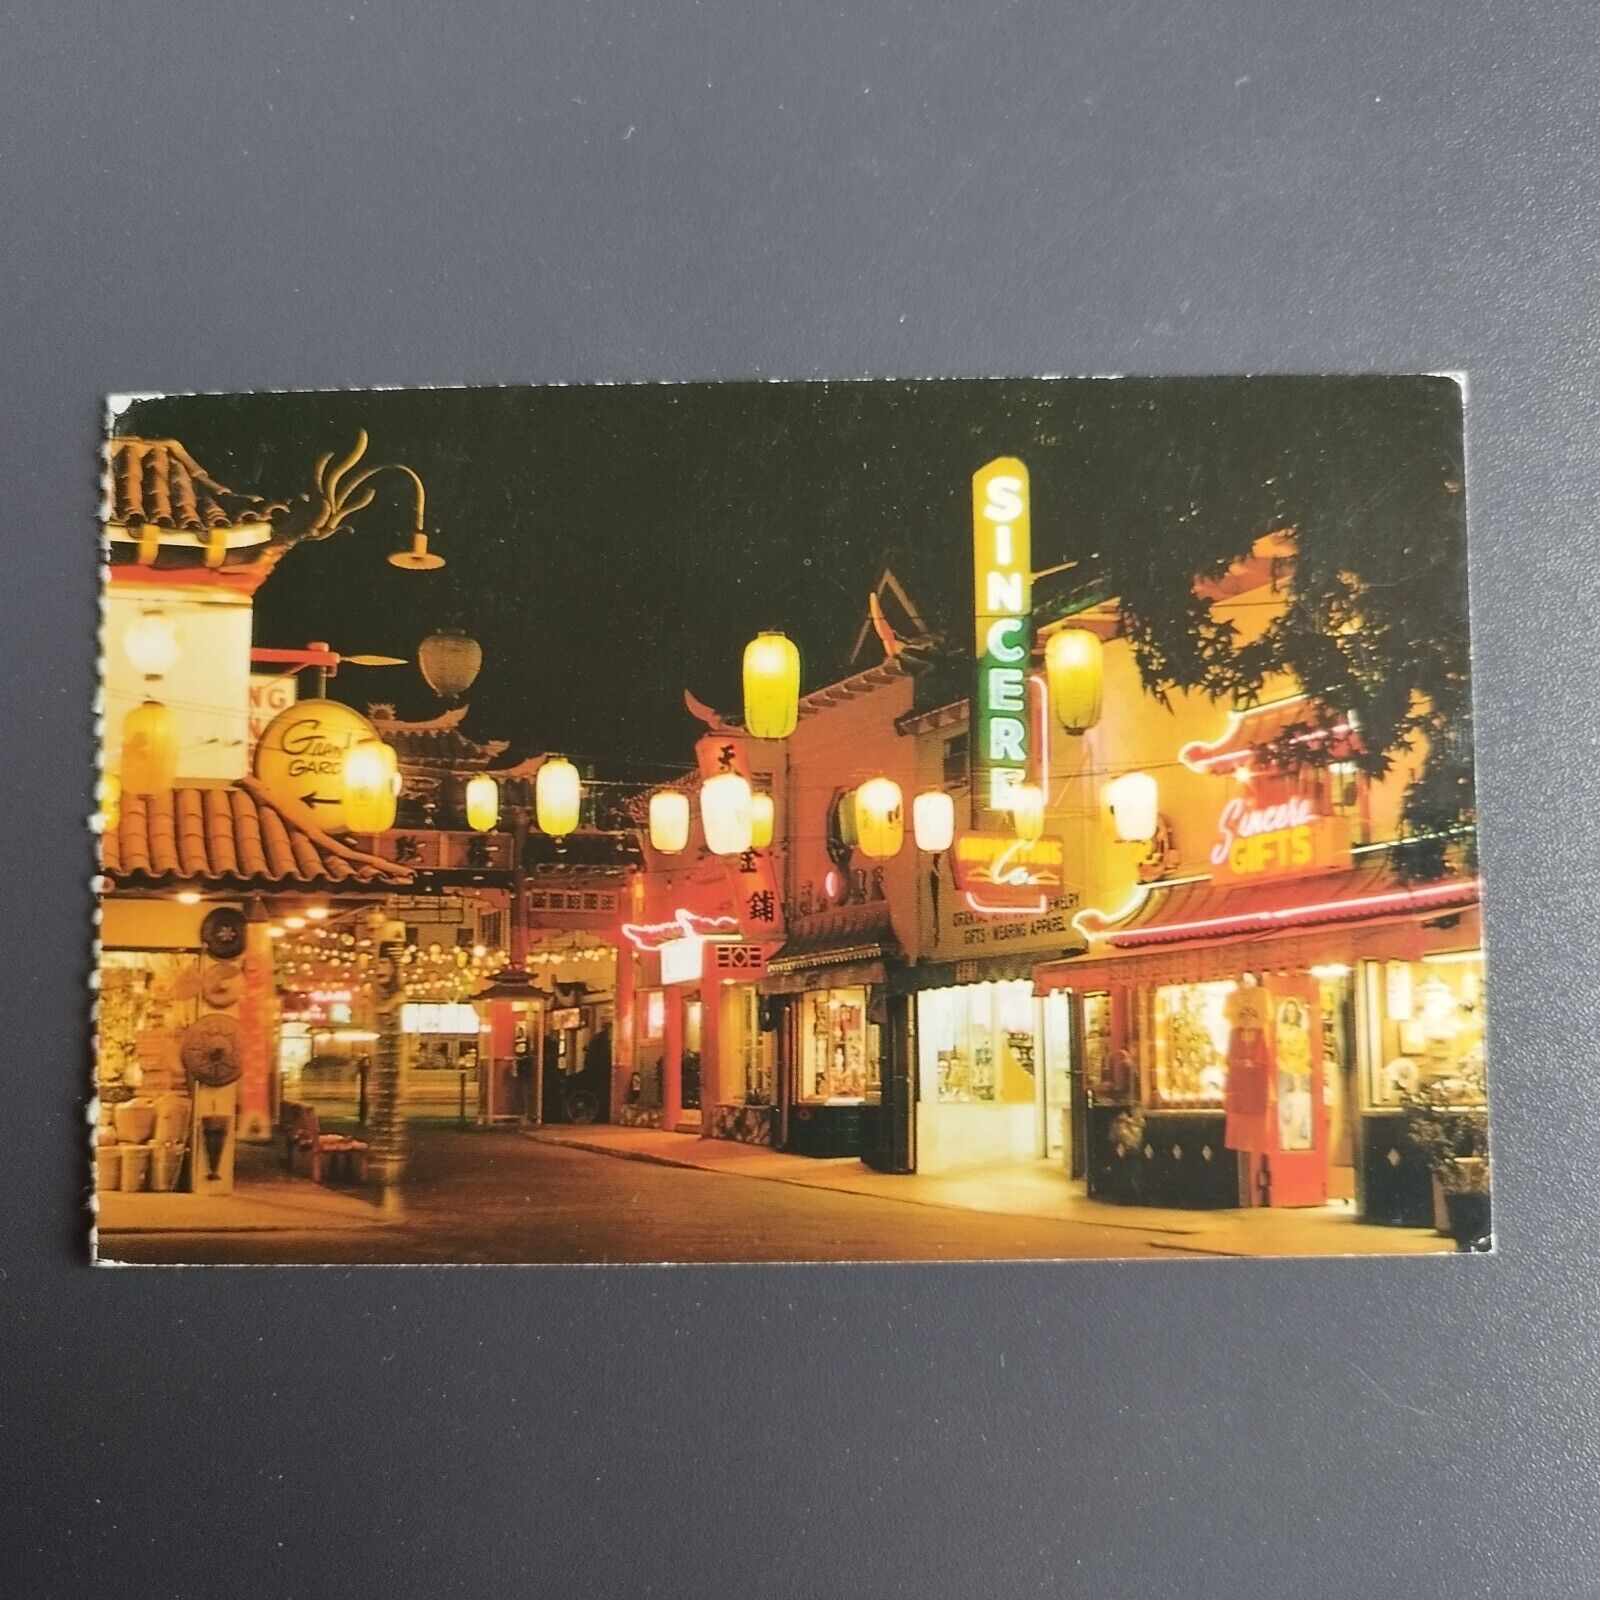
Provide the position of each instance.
(147, 999)
(977, 1043)
(838, 1047)
(1097, 1041)
(748, 1048)
(1192, 1030)
(1425, 1029)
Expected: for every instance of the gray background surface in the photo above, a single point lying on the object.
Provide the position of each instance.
(293, 195)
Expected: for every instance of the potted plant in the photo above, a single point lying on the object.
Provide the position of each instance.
(1454, 1141)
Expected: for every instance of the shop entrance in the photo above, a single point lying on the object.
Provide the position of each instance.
(1060, 1084)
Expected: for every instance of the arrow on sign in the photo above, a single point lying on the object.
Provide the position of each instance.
(315, 799)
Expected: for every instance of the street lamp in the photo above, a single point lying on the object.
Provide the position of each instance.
(340, 499)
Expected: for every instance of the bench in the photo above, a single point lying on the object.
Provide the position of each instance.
(302, 1132)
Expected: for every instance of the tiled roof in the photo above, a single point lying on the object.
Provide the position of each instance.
(231, 835)
(157, 483)
(437, 742)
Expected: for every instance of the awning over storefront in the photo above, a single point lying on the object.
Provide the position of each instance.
(851, 947)
(1200, 914)
(981, 969)
(232, 836)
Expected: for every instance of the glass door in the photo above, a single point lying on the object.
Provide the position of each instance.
(1055, 1081)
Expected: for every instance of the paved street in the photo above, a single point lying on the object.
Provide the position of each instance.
(477, 1196)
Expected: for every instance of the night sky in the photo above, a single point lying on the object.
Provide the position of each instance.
(612, 546)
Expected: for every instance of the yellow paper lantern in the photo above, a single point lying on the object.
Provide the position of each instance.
(370, 770)
(1074, 661)
(880, 819)
(149, 749)
(933, 821)
(763, 816)
(669, 821)
(557, 796)
(483, 802)
(151, 642)
(771, 686)
(1133, 801)
(1027, 811)
(725, 814)
(110, 801)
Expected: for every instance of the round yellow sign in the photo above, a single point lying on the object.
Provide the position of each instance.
(300, 759)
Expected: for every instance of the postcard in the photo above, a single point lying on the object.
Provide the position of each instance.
(805, 822)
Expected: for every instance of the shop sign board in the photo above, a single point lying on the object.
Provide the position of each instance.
(443, 849)
(999, 872)
(739, 960)
(317, 1005)
(1002, 603)
(680, 959)
(270, 694)
(299, 760)
(1259, 844)
(452, 1017)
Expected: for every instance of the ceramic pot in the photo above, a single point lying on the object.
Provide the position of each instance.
(165, 1164)
(172, 1119)
(136, 1121)
(135, 1167)
(108, 1167)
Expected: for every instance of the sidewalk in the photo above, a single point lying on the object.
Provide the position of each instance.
(265, 1200)
(1035, 1189)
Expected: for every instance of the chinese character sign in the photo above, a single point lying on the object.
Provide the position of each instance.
(754, 880)
(1002, 602)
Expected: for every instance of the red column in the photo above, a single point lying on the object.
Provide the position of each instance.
(672, 1061)
(256, 1031)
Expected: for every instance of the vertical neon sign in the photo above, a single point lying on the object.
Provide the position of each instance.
(1003, 603)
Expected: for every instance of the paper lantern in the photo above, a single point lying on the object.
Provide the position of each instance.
(370, 770)
(149, 749)
(449, 663)
(669, 821)
(880, 819)
(763, 816)
(557, 796)
(151, 642)
(1027, 811)
(110, 801)
(1074, 661)
(933, 821)
(1132, 800)
(483, 802)
(725, 814)
(771, 686)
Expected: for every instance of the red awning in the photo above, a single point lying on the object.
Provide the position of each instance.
(1200, 912)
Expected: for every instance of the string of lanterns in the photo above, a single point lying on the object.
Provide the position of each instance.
(736, 818)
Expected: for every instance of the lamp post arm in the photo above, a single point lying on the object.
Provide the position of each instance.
(363, 478)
